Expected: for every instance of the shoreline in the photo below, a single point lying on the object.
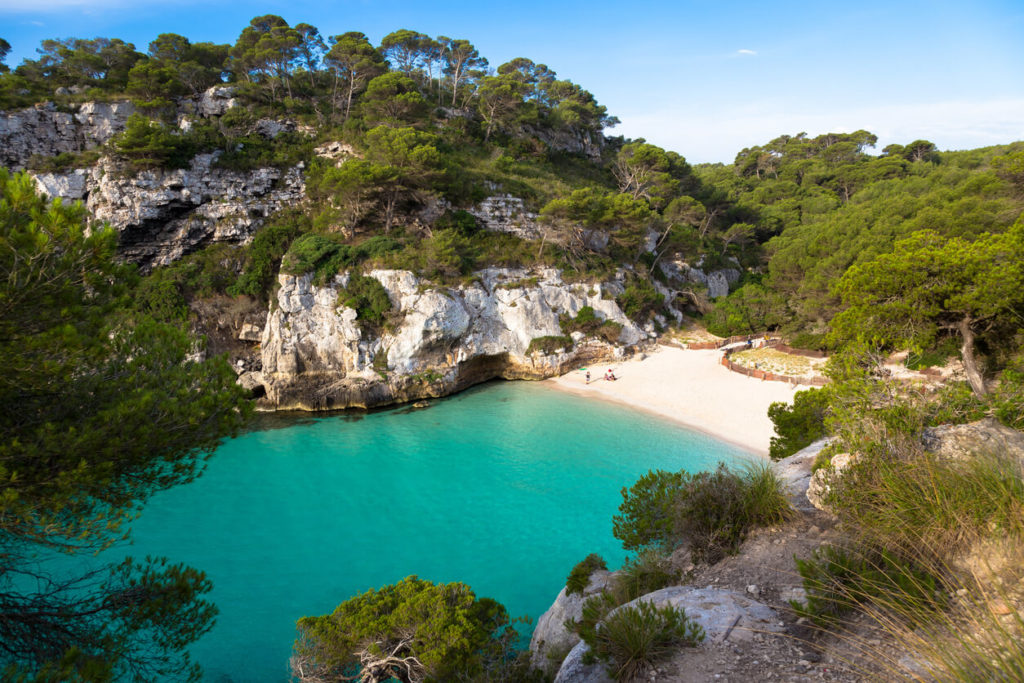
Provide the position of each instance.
(691, 388)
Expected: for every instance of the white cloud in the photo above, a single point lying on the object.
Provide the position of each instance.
(717, 135)
(745, 51)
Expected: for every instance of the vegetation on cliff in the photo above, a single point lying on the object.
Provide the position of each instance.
(100, 408)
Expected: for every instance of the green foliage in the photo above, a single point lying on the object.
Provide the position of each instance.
(635, 638)
(256, 151)
(368, 297)
(800, 424)
(146, 144)
(838, 580)
(929, 286)
(711, 512)
(579, 577)
(648, 571)
(749, 309)
(640, 300)
(411, 630)
(264, 254)
(645, 515)
(134, 416)
(548, 345)
(64, 161)
(164, 294)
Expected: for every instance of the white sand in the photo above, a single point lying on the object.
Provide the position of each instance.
(690, 387)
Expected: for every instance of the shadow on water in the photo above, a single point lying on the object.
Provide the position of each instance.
(283, 419)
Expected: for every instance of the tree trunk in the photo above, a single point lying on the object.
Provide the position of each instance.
(974, 377)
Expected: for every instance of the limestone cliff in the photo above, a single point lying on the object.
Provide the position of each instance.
(161, 214)
(315, 355)
(45, 130)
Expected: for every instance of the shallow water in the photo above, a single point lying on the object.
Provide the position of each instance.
(504, 487)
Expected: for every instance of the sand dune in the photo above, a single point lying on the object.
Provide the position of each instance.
(690, 387)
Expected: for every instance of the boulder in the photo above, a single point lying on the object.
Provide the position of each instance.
(796, 475)
(550, 637)
(216, 101)
(725, 616)
(820, 484)
(959, 442)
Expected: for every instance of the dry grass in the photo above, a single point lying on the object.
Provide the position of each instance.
(779, 363)
(691, 333)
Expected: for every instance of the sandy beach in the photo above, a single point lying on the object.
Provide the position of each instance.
(692, 388)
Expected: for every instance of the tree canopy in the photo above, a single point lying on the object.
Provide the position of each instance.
(100, 409)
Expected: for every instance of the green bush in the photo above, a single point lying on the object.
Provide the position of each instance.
(579, 577)
(369, 299)
(548, 345)
(639, 301)
(64, 161)
(412, 630)
(648, 571)
(635, 638)
(838, 580)
(800, 424)
(711, 512)
(264, 254)
(146, 144)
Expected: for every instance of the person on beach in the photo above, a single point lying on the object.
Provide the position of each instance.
(610, 376)
(588, 376)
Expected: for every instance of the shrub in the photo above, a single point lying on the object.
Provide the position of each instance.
(369, 299)
(548, 345)
(410, 630)
(800, 424)
(710, 511)
(579, 577)
(264, 253)
(645, 518)
(648, 571)
(634, 638)
(640, 300)
(838, 580)
(147, 144)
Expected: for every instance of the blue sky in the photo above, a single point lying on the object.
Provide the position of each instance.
(702, 77)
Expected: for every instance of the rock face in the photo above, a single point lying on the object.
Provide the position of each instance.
(796, 475)
(316, 357)
(505, 213)
(717, 281)
(723, 614)
(988, 436)
(551, 641)
(821, 481)
(164, 213)
(46, 131)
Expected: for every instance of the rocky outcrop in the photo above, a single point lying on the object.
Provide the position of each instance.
(551, 641)
(589, 144)
(718, 282)
(988, 436)
(45, 130)
(505, 213)
(823, 479)
(316, 356)
(796, 473)
(162, 214)
(723, 614)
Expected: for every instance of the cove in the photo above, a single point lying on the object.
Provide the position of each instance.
(504, 487)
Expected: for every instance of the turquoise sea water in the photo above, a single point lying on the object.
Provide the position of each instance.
(504, 487)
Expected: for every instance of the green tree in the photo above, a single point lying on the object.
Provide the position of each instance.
(405, 161)
(930, 287)
(354, 62)
(500, 99)
(648, 171)
(410, 631)
(197, 66)
(461, 60)
(153, 86)
(406, 50)
(393, 98)
(100, 408)
(264, 52)
(5, 49)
